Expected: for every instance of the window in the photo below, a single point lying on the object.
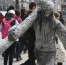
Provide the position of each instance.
(21, 5)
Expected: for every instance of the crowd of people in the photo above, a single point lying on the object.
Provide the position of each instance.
(15, 17)
(28, 39)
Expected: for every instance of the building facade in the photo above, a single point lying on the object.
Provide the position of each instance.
(64, 7)
(58, 5)
(25, 3)
(4, 4)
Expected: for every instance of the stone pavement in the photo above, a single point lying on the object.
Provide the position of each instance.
(24, 56)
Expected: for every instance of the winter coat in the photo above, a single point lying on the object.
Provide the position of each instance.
(7, 23)
(1, 18)
(18, 19)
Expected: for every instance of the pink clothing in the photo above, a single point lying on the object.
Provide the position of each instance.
(18, 18)
(5, 27)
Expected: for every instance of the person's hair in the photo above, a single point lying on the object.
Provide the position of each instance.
(41, 17)
(22, 12)
(31, 5)
(56, 14)
(11, 7)
(17, 12)
(60, 13)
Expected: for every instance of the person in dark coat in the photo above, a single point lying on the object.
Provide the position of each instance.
(29, 39)
(23, 13)
(8, 53)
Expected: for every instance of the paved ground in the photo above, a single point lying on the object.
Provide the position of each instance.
(24, 56)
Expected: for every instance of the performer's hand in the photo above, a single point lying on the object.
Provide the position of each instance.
(11, 35)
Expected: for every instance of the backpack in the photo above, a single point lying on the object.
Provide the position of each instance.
(5, 27)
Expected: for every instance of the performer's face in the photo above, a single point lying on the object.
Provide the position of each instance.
(47, 13)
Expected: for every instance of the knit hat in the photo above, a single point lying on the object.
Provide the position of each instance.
(11, 11)
(46, 5)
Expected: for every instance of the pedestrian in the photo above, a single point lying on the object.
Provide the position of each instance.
(18, 17)
(23, 13)
(11, 7)
(46, 27)
(19, 46)
(7, 23)
(29, 38)
(1, 19)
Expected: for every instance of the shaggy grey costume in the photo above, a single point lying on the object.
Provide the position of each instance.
(46, 29)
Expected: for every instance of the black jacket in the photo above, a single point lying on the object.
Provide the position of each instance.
(30, 33)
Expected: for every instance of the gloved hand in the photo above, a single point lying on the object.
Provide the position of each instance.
(11, 35)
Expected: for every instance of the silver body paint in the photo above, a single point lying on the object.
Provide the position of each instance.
(45, 48)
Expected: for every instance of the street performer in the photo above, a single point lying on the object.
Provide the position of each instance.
(46, 27)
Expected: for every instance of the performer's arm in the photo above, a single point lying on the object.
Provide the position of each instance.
(14, 34)
(61, 31)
